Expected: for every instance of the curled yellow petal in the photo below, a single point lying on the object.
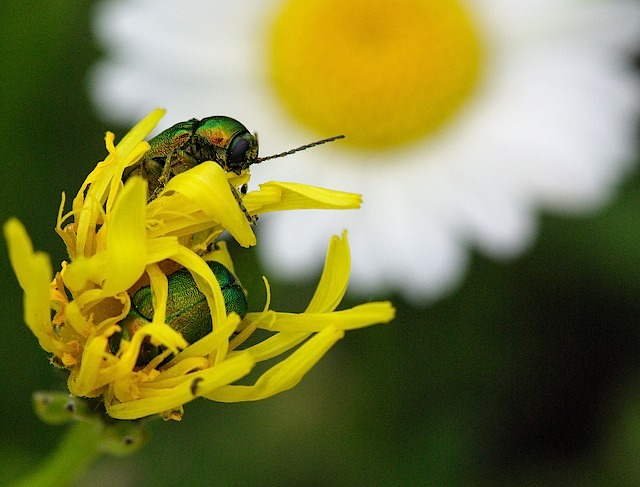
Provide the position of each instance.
(335, 276)
(285, 374)
(207, 188)
(34, 273)
(201, 383)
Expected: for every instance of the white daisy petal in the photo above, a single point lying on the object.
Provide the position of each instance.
(550, 124)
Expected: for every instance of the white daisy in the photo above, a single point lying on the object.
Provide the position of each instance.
(463, 118)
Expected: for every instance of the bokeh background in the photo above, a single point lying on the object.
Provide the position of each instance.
(528, 374)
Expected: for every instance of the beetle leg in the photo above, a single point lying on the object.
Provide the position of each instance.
(250, 218)
(163, 179)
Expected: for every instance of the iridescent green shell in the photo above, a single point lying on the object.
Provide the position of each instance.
(185, 145)
(187, 309)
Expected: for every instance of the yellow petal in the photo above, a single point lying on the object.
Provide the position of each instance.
(176, 370)
(220, 254)
(126, 238)
(335, 277)
(207, 185)
(83, 271)
(34, 273)
(349, 319)
(194, 385)
(160, 292)
(276, 345)
(140, 130)
(85, 381)
(277, 196)
(158, 333)
(285, 374)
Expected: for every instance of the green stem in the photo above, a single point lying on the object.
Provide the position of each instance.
(75, 453)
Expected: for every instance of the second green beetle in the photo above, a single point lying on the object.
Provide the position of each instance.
(187, 309)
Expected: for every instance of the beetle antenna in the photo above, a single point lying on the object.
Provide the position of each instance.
(298, 149)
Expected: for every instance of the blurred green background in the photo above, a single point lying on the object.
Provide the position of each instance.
(529, 374)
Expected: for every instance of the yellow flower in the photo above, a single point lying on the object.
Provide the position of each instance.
(118, 243)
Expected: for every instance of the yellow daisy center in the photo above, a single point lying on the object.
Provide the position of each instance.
(383, 73)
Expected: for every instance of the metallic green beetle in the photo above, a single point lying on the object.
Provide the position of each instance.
(187, 309)
(187, 144)
(220, 139)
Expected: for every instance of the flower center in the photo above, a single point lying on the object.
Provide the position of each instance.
(382, 73)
